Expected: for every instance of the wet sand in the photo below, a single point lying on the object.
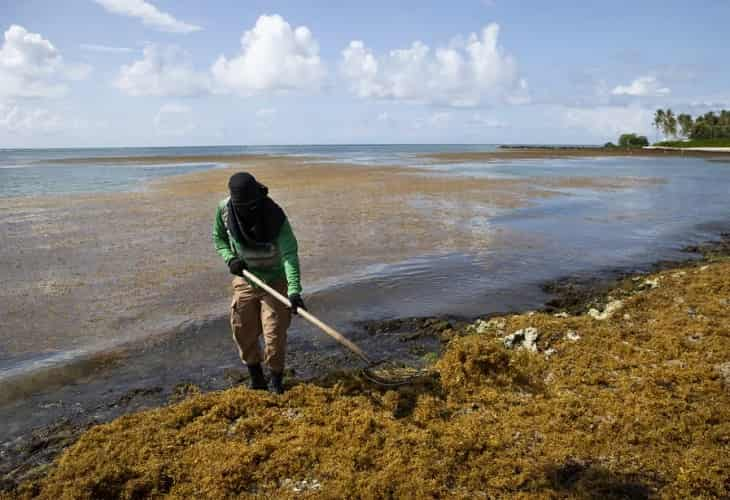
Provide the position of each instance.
(104, 269)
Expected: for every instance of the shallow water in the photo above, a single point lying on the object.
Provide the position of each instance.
(376, 152)
(26, 172)
(583, 231)
(33, 180)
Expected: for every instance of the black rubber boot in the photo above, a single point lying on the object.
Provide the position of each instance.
(277, 382)
(258, 381)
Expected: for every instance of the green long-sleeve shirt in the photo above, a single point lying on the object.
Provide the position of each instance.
(280, 261)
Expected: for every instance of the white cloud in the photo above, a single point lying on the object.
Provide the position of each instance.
(162, 71)
(644, 86)
(273, 57)
(174, 119)
(266, 113)
(149, 14)
(92, 47)
(30, 66)
(22, 119)
(467, 73)
(15, 119)
(607, 122)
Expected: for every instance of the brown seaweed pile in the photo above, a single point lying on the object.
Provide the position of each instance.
(631, 400)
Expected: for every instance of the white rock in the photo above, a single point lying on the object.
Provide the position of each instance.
(550, 352)
(572, 336)
(301, 486)
(523, 339)
(481, 327)
(610, 308)
(561, 315)
(704, 268)
(651, 283)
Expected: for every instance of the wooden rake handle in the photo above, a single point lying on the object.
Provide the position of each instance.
(311, 318)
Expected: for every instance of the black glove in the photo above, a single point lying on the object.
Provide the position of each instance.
(236, 266)
(296, 302)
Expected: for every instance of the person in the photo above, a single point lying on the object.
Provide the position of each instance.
(252, 232)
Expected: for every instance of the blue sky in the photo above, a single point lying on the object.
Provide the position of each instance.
(185, 72)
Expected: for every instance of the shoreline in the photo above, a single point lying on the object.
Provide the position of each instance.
(30, 458)
(505, 152)
(130, 260)
(702, 149)
(528, 153)
(172, 160)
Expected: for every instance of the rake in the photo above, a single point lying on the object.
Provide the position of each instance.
(383, 378)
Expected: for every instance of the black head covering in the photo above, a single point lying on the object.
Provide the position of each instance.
(257, 219)
(245, 189)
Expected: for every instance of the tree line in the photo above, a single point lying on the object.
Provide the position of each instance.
(711, 125)
(627, 141)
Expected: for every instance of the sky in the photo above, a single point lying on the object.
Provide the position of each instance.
(87, 73)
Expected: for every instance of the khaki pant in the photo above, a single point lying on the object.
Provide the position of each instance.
(254, 312)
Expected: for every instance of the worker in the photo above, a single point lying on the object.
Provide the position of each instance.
(251, 232)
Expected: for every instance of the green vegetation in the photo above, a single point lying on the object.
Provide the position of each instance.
(697, 143)
(711, 125)
(632, 141)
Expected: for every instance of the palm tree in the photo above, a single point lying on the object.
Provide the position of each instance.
(725, 123)
(670, 123)
(659, 120)
(712, 121)
(685, 124)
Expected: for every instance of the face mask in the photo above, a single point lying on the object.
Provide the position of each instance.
(248, 213)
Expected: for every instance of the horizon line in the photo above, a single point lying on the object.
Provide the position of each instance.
(305, 145)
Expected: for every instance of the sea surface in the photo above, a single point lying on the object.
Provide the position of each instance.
(30, 172)
(584, 231)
